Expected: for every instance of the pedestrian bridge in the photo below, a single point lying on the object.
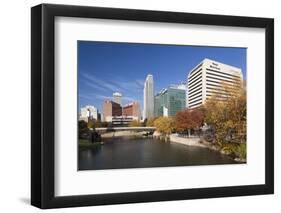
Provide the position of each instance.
(115, 129)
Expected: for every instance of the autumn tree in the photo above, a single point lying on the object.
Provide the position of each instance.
(91, 123)
(135, 123)
(189, 119)
(165, 125)
(99, 124)
(227, 114)
(150, 122)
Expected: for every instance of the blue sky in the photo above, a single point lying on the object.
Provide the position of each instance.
(107, 67)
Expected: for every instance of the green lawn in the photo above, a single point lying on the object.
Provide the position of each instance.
(86, 143)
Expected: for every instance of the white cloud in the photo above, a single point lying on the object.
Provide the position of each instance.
(102, 97)
(92, 85)
(101, 83)
(131, 90)
(84, 96)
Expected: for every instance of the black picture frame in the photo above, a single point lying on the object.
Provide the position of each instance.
(43, 102)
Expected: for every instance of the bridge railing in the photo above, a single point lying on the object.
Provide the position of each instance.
(109, 129)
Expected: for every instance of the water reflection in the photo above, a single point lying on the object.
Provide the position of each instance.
(140, 153)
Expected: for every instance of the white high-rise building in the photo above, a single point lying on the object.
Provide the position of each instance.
(209, 78)
(117, 98)
(148, 97)
(88, 112)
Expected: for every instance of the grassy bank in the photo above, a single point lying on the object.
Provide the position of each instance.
(238, 151)
(83, 143)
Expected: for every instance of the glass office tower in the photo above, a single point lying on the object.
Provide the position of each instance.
(170, 101)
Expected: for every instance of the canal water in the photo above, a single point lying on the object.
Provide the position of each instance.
(143, 153)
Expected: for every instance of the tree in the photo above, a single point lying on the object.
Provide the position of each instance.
(189, 119)
(99, 124)
(82, 128)
(227, 115)
(135, 123)
(165, 125)
(82, 125)
(91, 123)
(150, 122)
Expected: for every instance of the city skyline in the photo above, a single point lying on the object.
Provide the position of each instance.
(169, 64)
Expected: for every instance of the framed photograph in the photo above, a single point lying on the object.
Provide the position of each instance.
(139, 106)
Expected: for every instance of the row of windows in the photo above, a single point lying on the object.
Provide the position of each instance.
(195, 104)
(194, 90)
(190, 87)
(194, 98)
(209, 89)
(219, 79)
(219, 88)
(226, 83)
(224, 73)
(199, 90)
(231, 82)
(195, 80)
(224, 77)
(195, 93)
(195, 69)
(195, 75)
(221, 94)
(222, 87)
(215, 85)
(217, 98)
(220, 98)
(195, 84)
(198, 98)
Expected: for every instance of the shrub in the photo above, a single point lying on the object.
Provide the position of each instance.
(165, 125)
(150, 122)
(241, 151)
(135, 124)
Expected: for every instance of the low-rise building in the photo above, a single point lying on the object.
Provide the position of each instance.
(133, 110)
(118, 115)
(111, 109)
(88, 112)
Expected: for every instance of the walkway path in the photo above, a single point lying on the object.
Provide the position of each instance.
(192, 141)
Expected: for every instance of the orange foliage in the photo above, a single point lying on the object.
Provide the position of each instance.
(189, 119)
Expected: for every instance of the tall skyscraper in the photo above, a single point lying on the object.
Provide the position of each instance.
(209, 78)
(148, 97)
(117, 98)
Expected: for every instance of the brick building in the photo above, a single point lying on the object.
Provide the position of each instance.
(110, 110)
(132, 109)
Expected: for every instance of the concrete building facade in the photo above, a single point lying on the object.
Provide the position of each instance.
(88, 112)
(209, 78)
(117, 97)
